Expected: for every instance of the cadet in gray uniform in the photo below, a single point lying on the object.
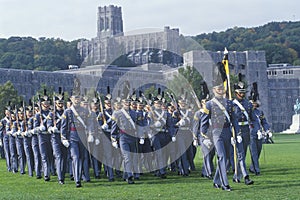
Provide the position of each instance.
(124, 123)
(5, 137)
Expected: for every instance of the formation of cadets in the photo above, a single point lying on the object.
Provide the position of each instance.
(130, 136)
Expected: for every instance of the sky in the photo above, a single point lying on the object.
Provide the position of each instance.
(75, 19)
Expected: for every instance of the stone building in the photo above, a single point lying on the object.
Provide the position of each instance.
(284, 90)
(139, 46)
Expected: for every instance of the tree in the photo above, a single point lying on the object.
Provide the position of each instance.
(8, 95)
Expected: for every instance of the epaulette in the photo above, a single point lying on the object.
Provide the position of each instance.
(196, 118)
(203, 135)
(206, 111)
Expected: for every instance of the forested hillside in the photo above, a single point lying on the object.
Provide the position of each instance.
(42, 54)
(280, 40)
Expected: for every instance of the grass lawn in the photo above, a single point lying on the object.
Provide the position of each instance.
(280, 179)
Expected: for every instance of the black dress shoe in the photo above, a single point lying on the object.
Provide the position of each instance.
(257, 173)
(130, 180)
(163, 176)
(78, 185)
(47, 178)
(111, 180)
(72, 178)
(248, 181)
(226, 188)
(252, 171)
(236, 180)
(61, 182)
(216, 186)
(97, 177)
(38, 177)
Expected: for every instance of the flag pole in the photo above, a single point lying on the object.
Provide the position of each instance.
(228, 88)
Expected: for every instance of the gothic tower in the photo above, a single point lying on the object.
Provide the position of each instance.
(110, 22)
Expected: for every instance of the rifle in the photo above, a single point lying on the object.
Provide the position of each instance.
(101, 108)
(148, 101)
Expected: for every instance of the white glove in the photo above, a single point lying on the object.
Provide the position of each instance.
(42, 128)
(150, 135)
(232, 141)
(269, 133)
(157, 124)
(14, 134)
(25, 133)
(50, 129)
(66, 143)
(1, 144)
(104, 126)
(142, 141)
(90, 138)
(181, 123)
(173, 139)
(195, 142)
(115, 144)
(239, 139)
(55, 129)
(259, 135)
(97, 141)
(207, 143)
(8, 132)
(36, 130)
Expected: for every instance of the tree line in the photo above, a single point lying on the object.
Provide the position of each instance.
(280, 41)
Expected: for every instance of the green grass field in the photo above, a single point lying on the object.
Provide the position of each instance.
(280, 179)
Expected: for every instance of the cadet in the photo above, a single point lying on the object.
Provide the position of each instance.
(243, 112)
(44, 136)
(260, 127)
(54, 125)
(220, 111)
(123, 120)
(21, 127)
(33, 129)
(28, 140)
(184, 138)
(208, 153)
(11, 130)
(5, 136)
(74, 125)
(158, 118)
(105, 121)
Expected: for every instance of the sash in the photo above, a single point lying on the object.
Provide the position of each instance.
(222, 108)
(160, 116)
(110, 117)
(78, 117)
(242, 108)
(128, 117)
(185, 115)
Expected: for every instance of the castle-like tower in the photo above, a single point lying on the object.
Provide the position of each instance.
(109, 22)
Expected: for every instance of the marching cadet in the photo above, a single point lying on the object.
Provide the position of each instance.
(243, 112)
(208, 153)
(105, 120)
(5, 136)
(33, 130)
(115, 140)
(74, 125)
(123, 122)
(219, 111)
(95, 147)
(87, 140)
(21, 128)
(185, 138)
(259, 127)
(12, 129)
(44, 137)
(158, 136)
(28, 139)
(54, 125)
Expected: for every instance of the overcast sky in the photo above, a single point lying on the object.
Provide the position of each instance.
(74, 19)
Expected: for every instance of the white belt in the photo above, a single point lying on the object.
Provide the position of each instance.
(243, 123)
